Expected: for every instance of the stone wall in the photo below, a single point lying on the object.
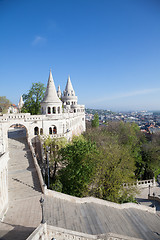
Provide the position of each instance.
(3, 184)
(67, 125)
(47, 232)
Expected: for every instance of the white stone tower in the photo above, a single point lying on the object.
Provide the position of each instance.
(69, 98)
(59, 94)
(51, 104)
(21, 103)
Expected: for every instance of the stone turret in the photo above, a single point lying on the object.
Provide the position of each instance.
(59, 92)
(51, 104)
(21, 103)
(69, 98)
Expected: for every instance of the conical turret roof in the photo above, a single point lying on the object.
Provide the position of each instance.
(21, 102)
(51, 93)
(69, 87)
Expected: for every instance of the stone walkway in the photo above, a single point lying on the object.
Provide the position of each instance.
(24, 212)
(142, 197)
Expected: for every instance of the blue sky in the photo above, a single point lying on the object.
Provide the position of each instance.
(110, 49)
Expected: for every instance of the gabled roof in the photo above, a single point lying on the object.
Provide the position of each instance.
(51, 93)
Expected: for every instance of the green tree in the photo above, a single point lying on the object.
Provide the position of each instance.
(114, 167)
(4, 104)
(151, 158)
(95, 121)
(53, 146)
(78, 158)
(33, 99)
(119, 147)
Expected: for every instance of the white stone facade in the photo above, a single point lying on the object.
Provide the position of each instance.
(58, 119)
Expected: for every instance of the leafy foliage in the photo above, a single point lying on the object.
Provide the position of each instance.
(103, 159)
(78, 156)
(115, 164)
(95, 121)
(33, 99)
(53, 146)
(4, 104)
(150, 165)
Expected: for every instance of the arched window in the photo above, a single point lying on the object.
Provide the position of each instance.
(50, 130)
(58, 109)
(54, 110)
(74, 110)
(36, 131)
(49, 110)
(41, 131)
(54, 130)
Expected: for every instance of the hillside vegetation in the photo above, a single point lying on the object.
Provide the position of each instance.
(98, 162)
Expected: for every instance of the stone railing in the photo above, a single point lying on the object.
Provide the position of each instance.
(28, 117)
(13, 116)
(47, 232)
(154, 198)
(142, 184)
(40, 233)
(43, 186)
(3, 184)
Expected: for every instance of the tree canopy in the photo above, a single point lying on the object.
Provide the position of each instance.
(95, 121)
(53, 147)
(4, 104)
(99, 162)
(78, 158)
(33, 99)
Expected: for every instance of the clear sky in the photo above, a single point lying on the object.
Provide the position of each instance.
(110, 49)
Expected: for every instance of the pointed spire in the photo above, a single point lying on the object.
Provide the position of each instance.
(69, 87)
(21, 103)
(59, 92)
(51, 93)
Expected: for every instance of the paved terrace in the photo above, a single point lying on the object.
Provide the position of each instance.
(24, 213)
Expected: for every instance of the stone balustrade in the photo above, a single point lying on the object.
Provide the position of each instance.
(8, 117)
(37, 166)
(46, 232)
(28, 117)
(3, 184)
(141, 184)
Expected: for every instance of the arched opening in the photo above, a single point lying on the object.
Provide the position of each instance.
(74, 110)
(36, 131)
(17, 132)
(49, 110)
(54, 110)
(41, 131)
(50, 130)
(59, 110)
(54, 130)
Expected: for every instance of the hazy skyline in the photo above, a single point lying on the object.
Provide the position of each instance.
(110, 49)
